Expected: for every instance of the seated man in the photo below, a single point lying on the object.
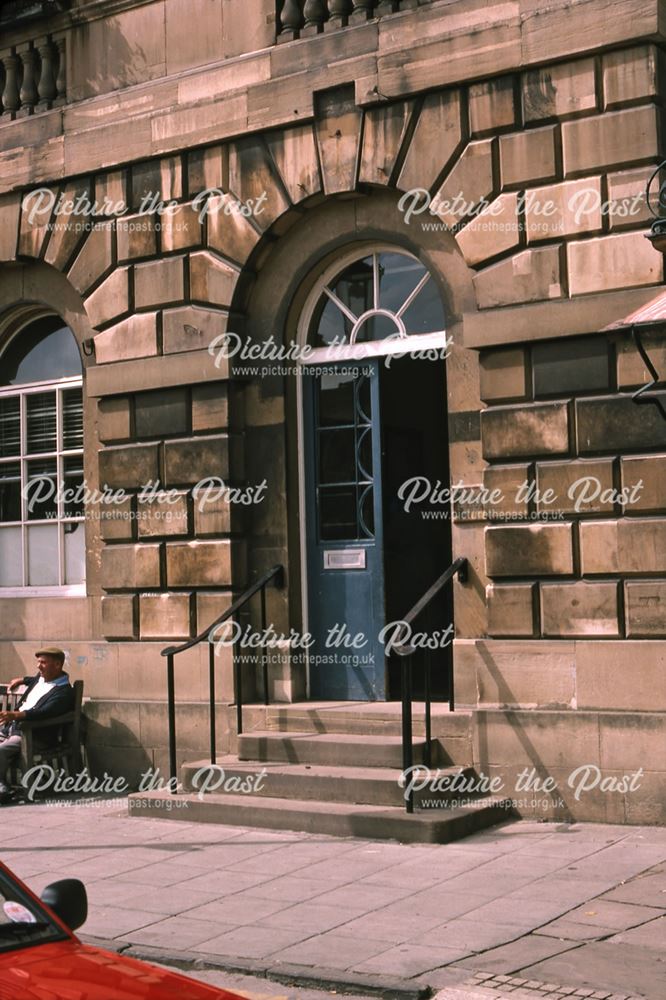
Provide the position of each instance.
(48, 695)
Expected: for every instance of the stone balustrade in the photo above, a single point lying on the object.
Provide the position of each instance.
(33, 77)
(300, 18)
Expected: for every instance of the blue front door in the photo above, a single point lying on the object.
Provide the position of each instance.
(344, 534)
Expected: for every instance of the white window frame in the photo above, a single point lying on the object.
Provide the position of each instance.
(24, 390)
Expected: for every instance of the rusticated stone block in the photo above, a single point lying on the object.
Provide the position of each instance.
(608, 262)
(136, 237)
(67, 233)
(119, 619)
(181, 229)
(163, 515)
(559, 90)
(570, 365)
(210, 407)
(111, 299)
(199, 564)
(114, 419)
(295, 155)
(191, 328)
(158, 282)
(157, 178)
(645, 608)
(491, 105)
(384, 130)
(161, 412)
(251, 179)
(495, 230)
(130, 466)
(529, 276)
(191, 460)
(129, 567)
(617, 423)
(34, 225)
(563, 209)
(111, 188)
(211, 280)
(603, 140)
(529, 550)
(513, 431)
(623, 675)
(471, 177)
(650, 470)
(210, 606)
(165, 616)
(437, 135)
(631, 74)
(204, 168)
(626, 197)
(212, 513)
(631, 369)
(508, 481)
(632, 545)
(230, 232)
(511, 609)
(94, 258)
(116, 522)
(134, 337)
(528, 156)
(571, 609)
(576, 486)
(10, 211)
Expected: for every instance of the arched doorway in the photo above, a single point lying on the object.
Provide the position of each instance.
(372, 419)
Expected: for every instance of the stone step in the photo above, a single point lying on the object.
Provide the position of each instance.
(326, 783)
(362, 718)
(335, 819)
(335, 749)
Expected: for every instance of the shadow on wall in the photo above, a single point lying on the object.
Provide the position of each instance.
(112, 749)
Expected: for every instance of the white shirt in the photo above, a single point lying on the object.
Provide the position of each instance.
(41, 688)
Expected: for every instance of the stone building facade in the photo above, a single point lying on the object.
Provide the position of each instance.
(325, 129)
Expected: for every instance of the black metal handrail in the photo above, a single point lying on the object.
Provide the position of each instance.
(405, 651)
(275, 575)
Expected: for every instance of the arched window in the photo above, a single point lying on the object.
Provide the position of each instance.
(382, 295)
(42, 536)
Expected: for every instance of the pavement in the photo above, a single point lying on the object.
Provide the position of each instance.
(525, 909)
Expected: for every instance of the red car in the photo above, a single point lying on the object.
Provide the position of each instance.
(41, 959)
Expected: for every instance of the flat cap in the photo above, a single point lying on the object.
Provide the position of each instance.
(51, 651)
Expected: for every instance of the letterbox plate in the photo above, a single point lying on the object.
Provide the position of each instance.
(344, 559)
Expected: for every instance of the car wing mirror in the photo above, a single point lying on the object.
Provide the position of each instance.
(69, 900)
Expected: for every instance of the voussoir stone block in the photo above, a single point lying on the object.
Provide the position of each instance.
(650, 471)
(471, 179)
(114, 419)
(566, 209)
(495, 230)
(529, 276)
(230, 232)
(645, 608)
(510, 609)
(110, 299)
(134, 337)
(577, 486)
(384, 130)
(181, 228)
(10, 211)
(528, 156)
(582, 608)
(516, 431)
(559, 90)
(195, 459)
(491, 105)
(604, 140)
(68, 231)
(129, 466)
(191, 328)
(136, 236)
(164, 616)
(631, 545)
(294, 153)
(436, 138)
(198, 564)
(251, 178)
(631, 74)
(529, 550)
(623, 260)
(158, 281)
(35, 218)
(617, 423)
(94, 258)
(119, 618)
(129, 567)
(211, 280)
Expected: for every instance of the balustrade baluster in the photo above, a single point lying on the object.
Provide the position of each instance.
(61, 78)
(46, 88)
(28, 93)
(339, 11)
(11, 100)
(315, 14)
(386, 7)
(362, 10)
(291, 18)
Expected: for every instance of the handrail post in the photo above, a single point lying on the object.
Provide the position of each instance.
(428, 715)
(407, 744)
(238, 688)
(211, 701)
(264, 656)
(171, 697)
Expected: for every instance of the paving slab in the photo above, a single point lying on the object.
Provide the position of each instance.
(518, 955)
(622, 968)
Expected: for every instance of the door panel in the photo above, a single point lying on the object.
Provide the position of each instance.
(344, 531)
